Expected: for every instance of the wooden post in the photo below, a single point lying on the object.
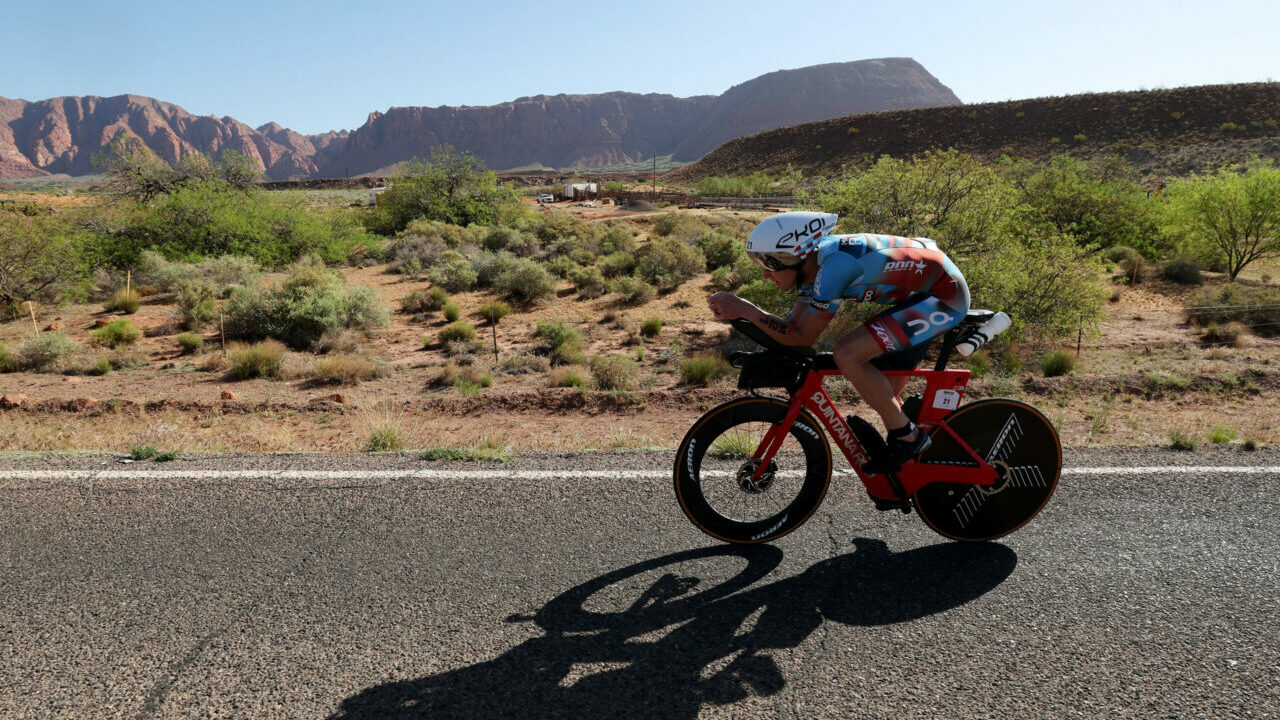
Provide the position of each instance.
(128, 282)
(494, 323)
(34, 325)
(222, 323)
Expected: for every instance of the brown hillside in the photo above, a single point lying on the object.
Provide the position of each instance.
(1162, 132)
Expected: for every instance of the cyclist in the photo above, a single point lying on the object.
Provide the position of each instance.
(927, 293)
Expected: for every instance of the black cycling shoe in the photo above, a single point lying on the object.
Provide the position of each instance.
(898, 451)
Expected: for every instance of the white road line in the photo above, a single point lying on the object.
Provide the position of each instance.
(499, 474)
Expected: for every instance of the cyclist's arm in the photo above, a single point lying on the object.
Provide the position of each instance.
(800, 327)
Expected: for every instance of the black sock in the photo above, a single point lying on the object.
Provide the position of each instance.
(901, 432)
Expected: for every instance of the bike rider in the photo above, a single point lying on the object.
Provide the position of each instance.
(927, 292)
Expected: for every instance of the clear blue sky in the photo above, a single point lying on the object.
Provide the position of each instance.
(319, 65)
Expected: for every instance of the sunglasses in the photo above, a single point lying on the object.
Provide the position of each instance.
(771, 264)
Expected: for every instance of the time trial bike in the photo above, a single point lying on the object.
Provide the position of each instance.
(755, 468)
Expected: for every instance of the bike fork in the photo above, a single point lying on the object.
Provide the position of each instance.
(773, 438)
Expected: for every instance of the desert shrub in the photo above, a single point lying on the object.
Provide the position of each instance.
(720, 250)
(310, 302)
(668, 263)
(650, 327)
(678, 226)
(227, 272)
(633, 291)
(768, 297)
(490, 266)
(421, 303)
(125, 301)
(554, 334)
(526, 282)
(8, 361)
(451, 311)
(562, 342)
(570, 376)
(613, 372)
(116, 333)
(410, 254)
(494, 311)
(1179, 440)
(1058, 362)
(450, 186)
(206, 219)
(346, 369)
(1227, 335)
(1220, 435)
(511, 240)
(617, 264)
(561, 266)
(456, 331)
(1182, 269)
(196, 302)
(190, 343)
(1099, 202)
(562, 234)
(452, 272)
(461, 376)
(341, 341)
(588, 282)
(258, 360)
(617, 237)
(703, 369)
(1257, 308)
(523, 363)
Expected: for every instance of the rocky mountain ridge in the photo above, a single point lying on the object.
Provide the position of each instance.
(60, 135)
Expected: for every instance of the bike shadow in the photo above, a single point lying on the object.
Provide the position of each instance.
(679, 646)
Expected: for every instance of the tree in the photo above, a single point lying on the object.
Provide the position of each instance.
(450, 187)
(40, 256)
(135, 172)
(947, 196)
(1233, 215)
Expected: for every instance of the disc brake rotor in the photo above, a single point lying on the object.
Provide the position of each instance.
(750, 483)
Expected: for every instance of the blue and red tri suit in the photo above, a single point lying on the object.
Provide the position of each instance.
(928, 294)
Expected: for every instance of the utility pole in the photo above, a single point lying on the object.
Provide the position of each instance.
(655, 176)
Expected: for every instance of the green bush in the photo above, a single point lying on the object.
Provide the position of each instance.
(125, 301)
(456, 331)
(556, 333)
(207, 219)
(651, 327)
(258, 360)
(720, 250)
(1255, 307)
(41, 257)
(617, 264)
(197, 303)
(494, 311)
(703, 369)
(613, 372)
(190, 343)
(679, 226)
(1182, 269)
(310, 302)
(43, 352)
(570, 376)
(1227, 335)
(1179, 440)
(511, 240)
(588, 281)
(452, 272)
(1058, 362)
(411, 253)
(525, 283)
(226, 272)
(421, 303)
(116, 333)
(617, 237)
(768, 297)
(1220, 435)
(450, 186)
(451, 311)
(8, 361)
(633, 291)
(667, 263)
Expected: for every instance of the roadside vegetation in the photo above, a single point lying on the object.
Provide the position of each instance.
(497, 290)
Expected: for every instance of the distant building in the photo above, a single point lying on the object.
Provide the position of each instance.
(586, 191)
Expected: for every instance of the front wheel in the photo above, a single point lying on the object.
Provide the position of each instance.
(715, 478)
(1019, 442)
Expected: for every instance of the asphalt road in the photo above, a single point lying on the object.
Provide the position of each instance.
(129, 592)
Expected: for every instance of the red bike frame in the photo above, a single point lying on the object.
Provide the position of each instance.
(942, 394)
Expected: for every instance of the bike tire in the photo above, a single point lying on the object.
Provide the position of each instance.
(715, 500)
(1001, 431)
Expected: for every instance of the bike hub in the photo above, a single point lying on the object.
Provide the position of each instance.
(750, 483)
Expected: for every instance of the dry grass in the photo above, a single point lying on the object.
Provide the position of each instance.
(346, 369)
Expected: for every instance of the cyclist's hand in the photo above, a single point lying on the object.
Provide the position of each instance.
(727, 306)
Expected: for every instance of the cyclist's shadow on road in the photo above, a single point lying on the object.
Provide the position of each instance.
(679, 645)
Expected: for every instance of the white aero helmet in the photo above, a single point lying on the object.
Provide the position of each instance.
(785, 239)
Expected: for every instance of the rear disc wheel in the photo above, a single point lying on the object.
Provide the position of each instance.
(1016, 439)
